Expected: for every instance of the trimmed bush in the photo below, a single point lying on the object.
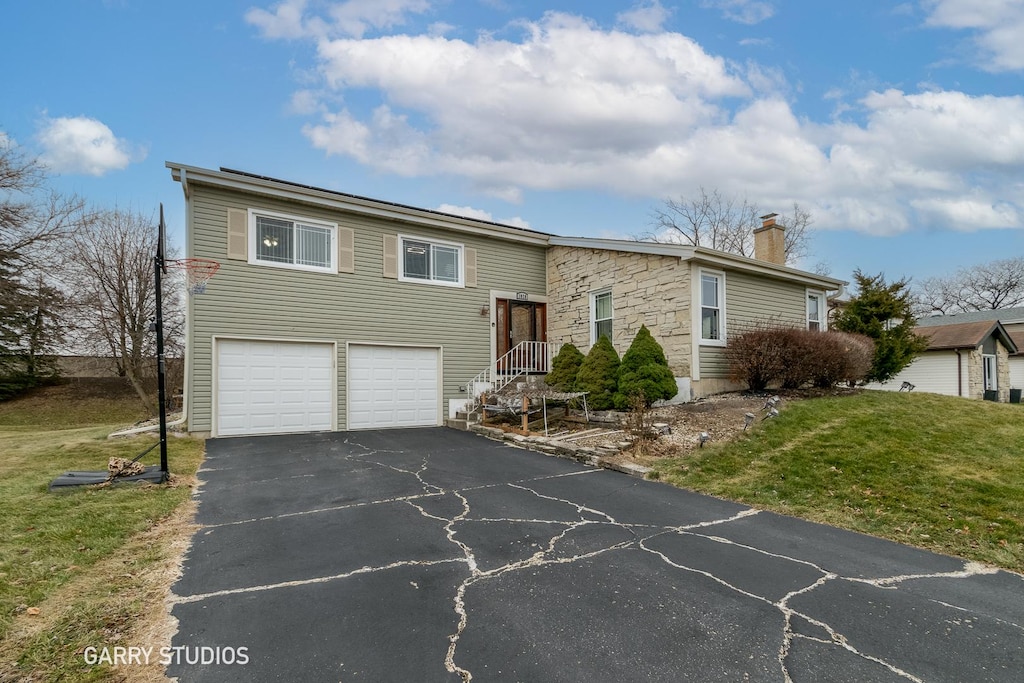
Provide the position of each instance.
(758, 357)
(599, 375)
(792, 358)
(849, 360)
(644, 372)
(564, 368)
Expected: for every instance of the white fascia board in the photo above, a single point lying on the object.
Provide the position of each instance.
(363, 206)
(712, 257)
(725, 260)
(658, 248)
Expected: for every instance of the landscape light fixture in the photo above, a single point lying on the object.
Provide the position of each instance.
(772, 412)
(704, 437)
(748, 420)
(907, 386)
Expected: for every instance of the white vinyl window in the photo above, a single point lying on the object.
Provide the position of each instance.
(712, 307)
(430, 261)
(290, 242)
(815, 311)
(601, 315)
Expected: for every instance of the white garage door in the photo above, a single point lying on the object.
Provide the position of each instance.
(1017, 372)
(393, 386)
(934, 372)
(268, 387)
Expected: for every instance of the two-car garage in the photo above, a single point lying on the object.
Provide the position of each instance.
(281, 386)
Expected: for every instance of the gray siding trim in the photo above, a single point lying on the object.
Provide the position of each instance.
(750, 301)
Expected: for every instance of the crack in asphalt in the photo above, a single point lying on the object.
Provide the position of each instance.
(641, 535)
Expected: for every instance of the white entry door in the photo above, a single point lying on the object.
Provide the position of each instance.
(273, 387)
(393, 386)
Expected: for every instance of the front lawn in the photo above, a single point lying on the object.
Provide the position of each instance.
(937, 472)
(79, 568)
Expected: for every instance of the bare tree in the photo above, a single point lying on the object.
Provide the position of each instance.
(987, 286)
(32, 221)
(27, 219)
(712, 220)
(109, 275)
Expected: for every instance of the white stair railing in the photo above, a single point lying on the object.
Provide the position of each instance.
(527, 357)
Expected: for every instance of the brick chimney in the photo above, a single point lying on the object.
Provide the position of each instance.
(770, 241)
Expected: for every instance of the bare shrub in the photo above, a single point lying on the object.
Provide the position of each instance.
(792, 358)
(639, 423)
(858, 353)
(759, 356)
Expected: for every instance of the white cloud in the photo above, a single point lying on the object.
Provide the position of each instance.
(285, 21)
(354, 18)
(568, 96)
(83, 145)
(742, 11)
(569, 105)
(647, 16)
(481, 215)
(998, 24)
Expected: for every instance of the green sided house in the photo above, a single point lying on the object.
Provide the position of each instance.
(337, 312)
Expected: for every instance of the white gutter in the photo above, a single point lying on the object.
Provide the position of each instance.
(362, 205)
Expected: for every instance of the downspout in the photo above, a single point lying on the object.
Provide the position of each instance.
(959, 374)
(150, 428)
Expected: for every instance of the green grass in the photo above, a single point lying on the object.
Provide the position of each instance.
(946, 474)
(64, 553)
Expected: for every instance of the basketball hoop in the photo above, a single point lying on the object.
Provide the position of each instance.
(198, 272)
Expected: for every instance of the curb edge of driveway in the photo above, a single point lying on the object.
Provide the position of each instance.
(595, 457)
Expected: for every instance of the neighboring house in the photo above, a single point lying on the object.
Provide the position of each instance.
(334, 312)
(968, 355)
(1012, 320)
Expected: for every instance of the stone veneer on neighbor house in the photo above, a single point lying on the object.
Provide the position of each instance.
(646, 290)
(976, 373)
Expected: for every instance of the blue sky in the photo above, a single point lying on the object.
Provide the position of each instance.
(899, 126)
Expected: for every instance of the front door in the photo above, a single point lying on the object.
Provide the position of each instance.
(518, 322)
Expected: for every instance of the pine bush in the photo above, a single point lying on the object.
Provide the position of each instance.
(564, 368)
(644, 371)
(599, 375)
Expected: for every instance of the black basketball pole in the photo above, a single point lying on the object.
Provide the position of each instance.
(159, 268)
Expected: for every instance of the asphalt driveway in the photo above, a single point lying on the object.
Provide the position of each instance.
(436, 555)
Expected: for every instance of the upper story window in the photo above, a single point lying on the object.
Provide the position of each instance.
(815, 311)
(601, 315)
(431, 261)
(712, 307)
(289, 242)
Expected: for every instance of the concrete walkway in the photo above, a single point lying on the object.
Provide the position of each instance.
(437, 555)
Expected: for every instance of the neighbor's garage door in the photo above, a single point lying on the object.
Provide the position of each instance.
(393, 386)
(266, 387)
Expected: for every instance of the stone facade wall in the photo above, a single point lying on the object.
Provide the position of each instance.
(646, 290)
(1003, 363)
(975, 374)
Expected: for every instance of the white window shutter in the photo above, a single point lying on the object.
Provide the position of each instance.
(470, 267)
(238, 239)
(346, 250)
(391, 256)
